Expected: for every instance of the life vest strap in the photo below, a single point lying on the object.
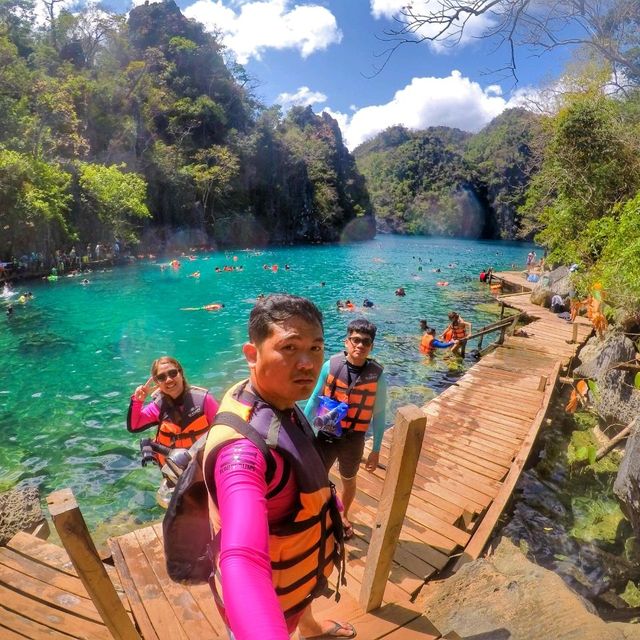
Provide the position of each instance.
(246, 430)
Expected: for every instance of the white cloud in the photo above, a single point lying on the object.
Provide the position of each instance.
(256, 26)
(303, 97)
(454, 101)
(474, 26)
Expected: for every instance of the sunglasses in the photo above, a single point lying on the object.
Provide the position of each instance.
(365, 342)
(162, 377)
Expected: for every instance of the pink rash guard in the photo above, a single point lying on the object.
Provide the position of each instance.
(140, 417)
(251, 607)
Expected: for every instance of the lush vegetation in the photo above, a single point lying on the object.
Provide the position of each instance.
(119, 127)
(446, 182)
(584, 203)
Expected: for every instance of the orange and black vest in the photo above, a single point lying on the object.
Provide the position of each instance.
(360, 394)
(426, 344)
(306, 546)
(180, 426)
(458, 331)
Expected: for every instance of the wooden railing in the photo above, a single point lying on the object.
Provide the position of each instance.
(408, 433)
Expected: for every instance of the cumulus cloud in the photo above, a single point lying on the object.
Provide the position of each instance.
(474, 26)
(302, 97)
(454, 101)
(250, 28)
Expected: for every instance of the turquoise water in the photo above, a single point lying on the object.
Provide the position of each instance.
(72, 356)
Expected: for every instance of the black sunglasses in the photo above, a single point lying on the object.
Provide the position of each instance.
(172, 373)
(355, 341)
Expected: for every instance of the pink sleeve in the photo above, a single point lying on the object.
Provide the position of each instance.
(139, 417)
(210, 408)
(250, 601)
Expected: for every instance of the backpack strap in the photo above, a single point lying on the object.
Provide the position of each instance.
(245, 429)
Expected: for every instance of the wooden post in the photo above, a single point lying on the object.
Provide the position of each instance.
(501, 309)
(501, 338)
(405, 451)
(543, 383)
(574, 333)
(77, 541)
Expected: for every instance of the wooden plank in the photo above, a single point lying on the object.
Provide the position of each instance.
(149, 590)
(411, 538)
(14, 622)
(48, 616)
(137, 607)
(7, 634)
(382, 621)
(467, 438)
(506, 425)
(12, 560)
(417, 629)
(56, 557)
(74, 534)
(483, 532)
(186, 609)
(423, 532)
(51, 595)
(201, 594)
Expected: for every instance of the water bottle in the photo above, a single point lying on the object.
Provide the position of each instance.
(328, 421)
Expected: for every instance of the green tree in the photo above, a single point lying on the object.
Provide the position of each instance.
(115, 197)
(34, 203)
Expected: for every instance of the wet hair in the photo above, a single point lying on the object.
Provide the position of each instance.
(453, 316)
(360, 325)
(277, 308)
(431, 331)
(423, 325)
(168, 360)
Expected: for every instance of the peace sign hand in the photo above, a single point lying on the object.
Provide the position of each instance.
(143, 390)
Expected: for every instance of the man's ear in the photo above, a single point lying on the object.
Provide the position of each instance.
(250, 353)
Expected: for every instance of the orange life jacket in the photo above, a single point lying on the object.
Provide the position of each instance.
(305, 548)
(360, 395)
(180, 427)
(458, 331)
(426, 345)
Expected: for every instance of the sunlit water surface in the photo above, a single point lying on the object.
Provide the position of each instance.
(72, 356)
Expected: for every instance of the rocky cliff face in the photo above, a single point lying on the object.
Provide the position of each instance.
(447, 182)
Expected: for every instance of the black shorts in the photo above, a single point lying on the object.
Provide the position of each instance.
(347, 450)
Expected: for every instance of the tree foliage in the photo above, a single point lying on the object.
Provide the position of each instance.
(144, 116)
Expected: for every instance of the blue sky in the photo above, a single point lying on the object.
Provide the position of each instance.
(324, 53)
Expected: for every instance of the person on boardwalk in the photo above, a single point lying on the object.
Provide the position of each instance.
(274, 514)
(356, 379)
(457, 331)
(182, 412)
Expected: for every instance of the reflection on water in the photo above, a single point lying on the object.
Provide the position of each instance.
(72, 356)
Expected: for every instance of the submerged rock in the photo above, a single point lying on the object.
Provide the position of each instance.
(507, 597)
(19, 511)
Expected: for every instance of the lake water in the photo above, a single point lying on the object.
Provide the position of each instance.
(73, 355)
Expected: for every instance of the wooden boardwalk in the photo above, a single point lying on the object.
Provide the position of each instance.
(41, 596)
(478, 436)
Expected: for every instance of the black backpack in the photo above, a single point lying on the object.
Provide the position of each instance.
(186, 527)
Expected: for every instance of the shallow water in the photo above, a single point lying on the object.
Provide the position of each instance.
(72, 356)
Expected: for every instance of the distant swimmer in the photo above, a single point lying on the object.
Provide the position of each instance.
(367, 303)
(85, 281)
(442, 283)
(195, 274)
(401, 292)
(9, 311)
(175, 264)
(214, 306)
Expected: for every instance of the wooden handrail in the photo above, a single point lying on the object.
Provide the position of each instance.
(77, 541)
(408, 433)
